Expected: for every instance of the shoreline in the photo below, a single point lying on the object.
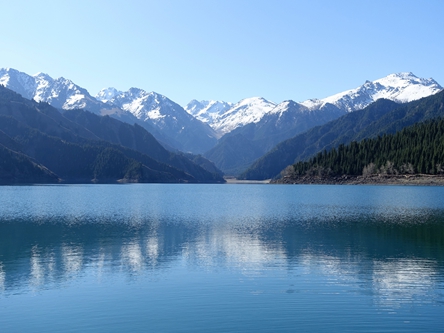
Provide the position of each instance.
(230, 180)
(417, 179)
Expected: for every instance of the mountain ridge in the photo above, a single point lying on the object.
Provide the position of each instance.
(198, 126)
(166, 120)
(400, 87)
(77, 153)
(381, 117)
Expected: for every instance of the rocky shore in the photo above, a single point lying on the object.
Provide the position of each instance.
(417, 179)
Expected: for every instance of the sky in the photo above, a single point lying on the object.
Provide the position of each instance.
(224, 50)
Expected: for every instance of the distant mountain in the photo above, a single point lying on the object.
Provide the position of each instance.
(257, 122)
(234, 154)
(137, 138)
(184, 132)
(59, 93)
(383, 116)
(263, 128)
(400, 88)
(166, 120)
(284, 121)
(76, 151)
(247, 111)
(207, 111)
(225, 117)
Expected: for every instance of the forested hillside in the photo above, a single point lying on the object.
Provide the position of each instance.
(415, 149)
(19, 168)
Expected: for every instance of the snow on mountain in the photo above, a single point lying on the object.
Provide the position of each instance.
(284, 106)
(107, 94)
(188, 133)
(207, 111)
(60, 93)
(400, 87)
(249, 110)
(144, 105)
(406, 87)
(168, 121)
(19, 82)
(189, 128)
(286, 120)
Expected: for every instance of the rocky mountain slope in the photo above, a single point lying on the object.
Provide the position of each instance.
(253, 140)
(207, 111)
(184, 132)
(203, 126)
(39, 143)
(398, 87)
(260, 127)
(383, 116)
(166, 120)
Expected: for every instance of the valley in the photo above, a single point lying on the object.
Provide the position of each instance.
(253, 139)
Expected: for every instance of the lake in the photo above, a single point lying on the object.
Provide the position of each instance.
(221, 258)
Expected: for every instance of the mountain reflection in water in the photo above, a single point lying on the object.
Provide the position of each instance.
(383, 255)
(320, 244)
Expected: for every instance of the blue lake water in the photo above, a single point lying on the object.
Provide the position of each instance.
(221, 258)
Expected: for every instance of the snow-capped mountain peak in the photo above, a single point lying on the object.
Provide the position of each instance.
(20, 82)
(43, 77)
(107, 94)
(61, 93)
(158, 110)
(399, 87)
(287, 105)
(207, 111)
(406, 87)
(167, 120)
(194, 106)
(200, 107)
(254, 102)
(142, 104)
(248, 110)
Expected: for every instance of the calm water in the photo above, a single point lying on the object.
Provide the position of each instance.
(221, 258)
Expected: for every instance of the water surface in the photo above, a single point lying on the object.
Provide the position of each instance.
(221, 258)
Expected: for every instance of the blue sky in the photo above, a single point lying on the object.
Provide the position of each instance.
(224, 50)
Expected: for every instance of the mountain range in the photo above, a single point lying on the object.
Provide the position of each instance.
(259, 126)
(381, 117)
(232, 135)
(38, 143)
(401, 87)
(166, 120)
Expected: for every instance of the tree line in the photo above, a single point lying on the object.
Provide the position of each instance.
(415, 149)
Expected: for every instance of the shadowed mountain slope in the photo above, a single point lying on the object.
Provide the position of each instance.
(381, 117)
(76, 154)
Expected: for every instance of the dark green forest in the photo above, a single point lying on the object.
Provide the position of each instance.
(415, 149)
